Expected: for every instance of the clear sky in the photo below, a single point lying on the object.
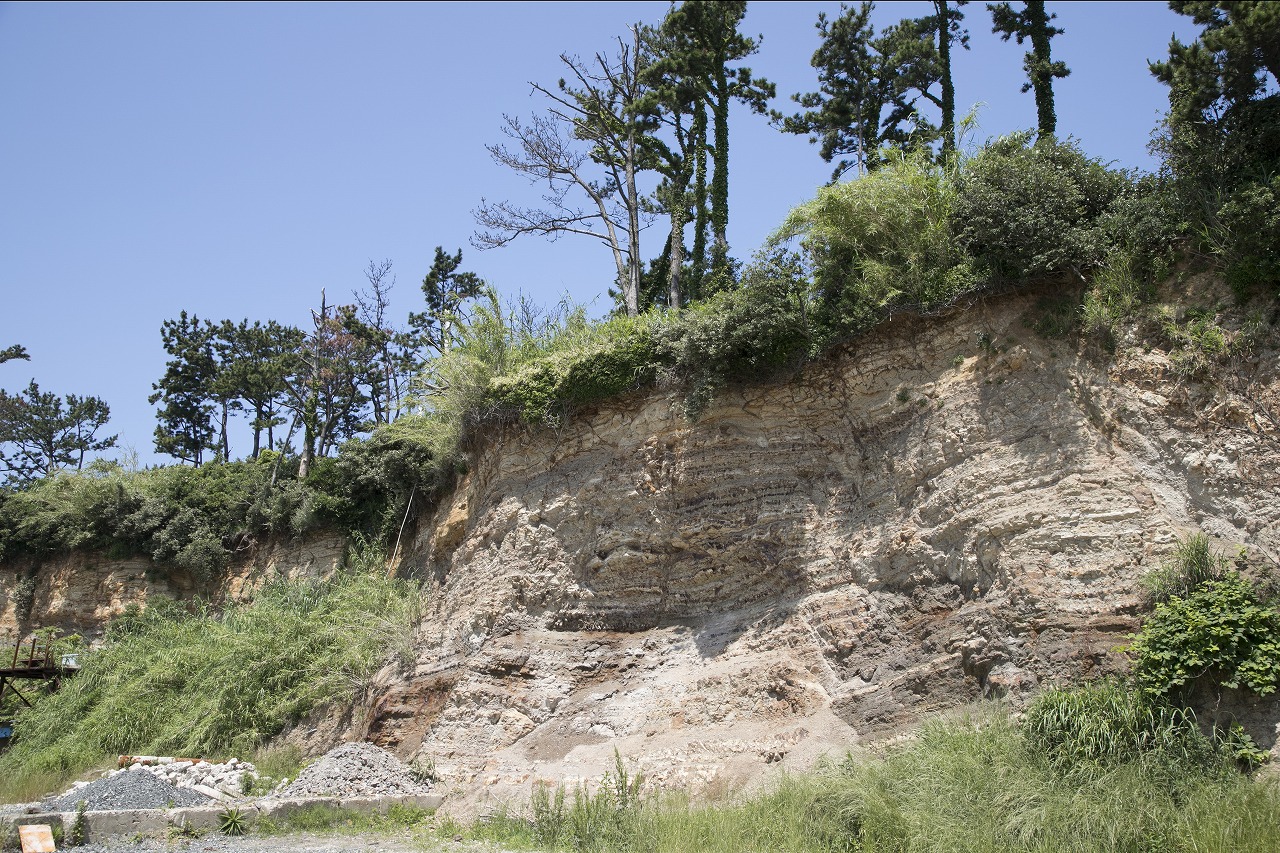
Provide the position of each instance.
(232, 160)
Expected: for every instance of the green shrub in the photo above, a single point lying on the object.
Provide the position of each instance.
(620, 359)
(1107, 723)
(194, 517)
(1250, 220)
(1220, 632)
(1196, 341)
(1116, 292)
(1024, 210)
(751, 333)
(883, 240)
(1194, 562)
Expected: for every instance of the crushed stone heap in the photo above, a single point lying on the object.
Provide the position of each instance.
(135, 788)
(355, 770)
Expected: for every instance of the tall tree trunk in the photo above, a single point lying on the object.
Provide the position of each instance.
(675, 251)
(257, 431)
(700, 202)
(1041, 70)
(632, 294)
(948, 85)
(224, 446)
(720, 178)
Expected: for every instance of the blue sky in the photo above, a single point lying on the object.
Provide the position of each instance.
(232, 160)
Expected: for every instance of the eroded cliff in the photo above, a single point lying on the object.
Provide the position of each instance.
(80, 592)
(949, 509)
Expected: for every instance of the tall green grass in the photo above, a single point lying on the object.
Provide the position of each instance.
(211, 684)
(972, 785)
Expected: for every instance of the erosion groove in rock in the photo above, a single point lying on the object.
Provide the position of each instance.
(909, 525)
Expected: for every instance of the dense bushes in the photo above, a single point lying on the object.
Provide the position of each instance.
(173, 682)
(195, 518)
(189, 517)
(1025, 209)
(1210, 628)
(1220, 632)
(883, 240)
(1107, 723)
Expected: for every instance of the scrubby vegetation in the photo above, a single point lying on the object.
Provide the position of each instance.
(979, 783)
(185, 680)
(912, 235)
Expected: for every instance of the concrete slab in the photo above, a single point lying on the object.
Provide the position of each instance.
(101, 825)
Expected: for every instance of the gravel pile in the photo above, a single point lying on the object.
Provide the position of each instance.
(355, 770)
(136, 788)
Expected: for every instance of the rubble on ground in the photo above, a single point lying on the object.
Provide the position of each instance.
(355, 770)
(132, 788)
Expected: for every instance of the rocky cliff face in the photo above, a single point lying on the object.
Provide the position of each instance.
(948, 510)
(81, 592)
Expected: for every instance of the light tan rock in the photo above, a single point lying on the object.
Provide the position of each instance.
(907, 526)
(82, 591)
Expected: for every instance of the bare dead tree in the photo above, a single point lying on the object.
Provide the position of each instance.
(597, 108)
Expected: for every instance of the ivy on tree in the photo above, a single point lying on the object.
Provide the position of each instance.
(1031, 22)
(870, 85)
(704, 40)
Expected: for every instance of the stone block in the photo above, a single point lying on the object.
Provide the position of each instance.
(100, 825)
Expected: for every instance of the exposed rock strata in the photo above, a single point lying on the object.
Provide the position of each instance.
(82, 591)
(948, 510)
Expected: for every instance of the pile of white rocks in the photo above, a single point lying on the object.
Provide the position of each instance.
(218, 781)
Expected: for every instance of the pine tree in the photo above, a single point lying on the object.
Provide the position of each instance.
(870, 85)
(705, 32)
(1031, 22)
(186, 389)
(44, 433)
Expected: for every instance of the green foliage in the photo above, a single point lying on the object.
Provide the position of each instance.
(77, 834)
(604, 820)
(232, 821)
(586, 365)
(1220, 632)
(40, 432)
(24, 597)
(1024, 210)
(883, 241)
(1116, 292)
(1221, 142)
(1106, 724)
(332, 820)
(739, 335)
(1194, 562)
(1032, 23)
(1196, 341)
(195, 517)
(970, 785)
(169, 682)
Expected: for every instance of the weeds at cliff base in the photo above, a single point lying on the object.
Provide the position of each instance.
(173, 681)
(972, 784)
